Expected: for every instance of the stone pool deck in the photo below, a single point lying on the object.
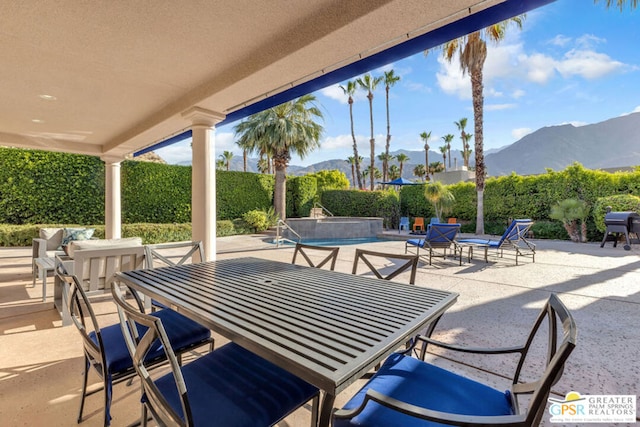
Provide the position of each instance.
(41, 362)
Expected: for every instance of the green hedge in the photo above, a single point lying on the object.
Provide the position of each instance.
(45, 187)
(240, 192)
(301, 193)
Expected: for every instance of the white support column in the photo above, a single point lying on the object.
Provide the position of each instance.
(203, 178)
(112, 196)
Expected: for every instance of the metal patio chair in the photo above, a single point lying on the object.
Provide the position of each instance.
(514, 238)
(106, 351)
(410, 392)
(310, 251)
(228, 386)
(439, 236)
(406, 263)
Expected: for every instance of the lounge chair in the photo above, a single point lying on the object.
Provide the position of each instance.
(514, 238)
(439, 236)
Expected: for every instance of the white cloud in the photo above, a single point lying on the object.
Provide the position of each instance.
(587, 64)
(587, 41)
(417, 87)
(560, 40)
(497, 107)
(518, 93)
(520, 133)
(181, 152)
(451, 80)
(539, 68)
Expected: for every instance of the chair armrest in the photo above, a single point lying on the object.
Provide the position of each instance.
(39, 248)
(477, 350)
(429, 414)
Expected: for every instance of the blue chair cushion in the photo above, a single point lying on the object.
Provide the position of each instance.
(419, 383)
(182, 332)
(235, 387)
(416, 242)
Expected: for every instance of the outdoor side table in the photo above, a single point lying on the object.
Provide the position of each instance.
(45, 265)
(470, 246)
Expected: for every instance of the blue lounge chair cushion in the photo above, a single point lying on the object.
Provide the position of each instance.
(233, 387)
(182, 333)
(416, 242)
(422, 384)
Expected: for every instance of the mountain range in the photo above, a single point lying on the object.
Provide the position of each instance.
(611, 143)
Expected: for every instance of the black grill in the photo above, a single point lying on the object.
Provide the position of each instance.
(618, 223)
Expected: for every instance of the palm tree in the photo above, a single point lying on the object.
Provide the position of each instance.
(435, 167)
(287, 128)
(472, 50)
(401, 158)
(466, 151)
(220, 164)
(390, 79)
(394, 172)
(447, 140)
(226, 157)
(384, 158)
(350, 90)
(425, 137)
(369, 83)
(465, 139)
(263, 165)
(419, 171)
(443, 150)
(352, 161)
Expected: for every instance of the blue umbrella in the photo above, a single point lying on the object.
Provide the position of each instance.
(400, 181)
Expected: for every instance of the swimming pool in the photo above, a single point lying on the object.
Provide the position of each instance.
(334, 242)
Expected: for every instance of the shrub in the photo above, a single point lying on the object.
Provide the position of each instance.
(622, 202)
(256, 219)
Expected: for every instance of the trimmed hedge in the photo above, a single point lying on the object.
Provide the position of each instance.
(359, 203)
(240, 192)
(301, 193)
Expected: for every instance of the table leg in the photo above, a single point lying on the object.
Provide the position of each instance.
(34, 268)
(326, 410)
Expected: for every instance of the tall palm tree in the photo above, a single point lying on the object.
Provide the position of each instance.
(464, 138)
(472, 50)
(425, 137)
(220, 164)
(390, 79)
(401, 158)
(263, 165)
(370, 83)
(287, 128)
(226, 157)
(447, 140)
(443, 150)
(435, 167)
(419, 171)
(350, 90)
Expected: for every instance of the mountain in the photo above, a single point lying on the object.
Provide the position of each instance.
(608, 144)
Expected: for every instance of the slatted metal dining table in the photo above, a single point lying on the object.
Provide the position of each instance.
(329, 328)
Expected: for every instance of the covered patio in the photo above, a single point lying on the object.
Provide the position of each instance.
(110, 79)
(41, 374)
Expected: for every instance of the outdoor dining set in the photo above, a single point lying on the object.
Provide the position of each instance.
(299, 334)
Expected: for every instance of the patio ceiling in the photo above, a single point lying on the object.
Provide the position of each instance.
(110, 78)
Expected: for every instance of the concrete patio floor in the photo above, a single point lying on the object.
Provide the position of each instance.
(41, 362)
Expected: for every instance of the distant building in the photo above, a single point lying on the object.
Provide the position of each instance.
(459, 174)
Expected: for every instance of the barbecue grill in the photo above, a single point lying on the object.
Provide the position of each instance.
(618, 223)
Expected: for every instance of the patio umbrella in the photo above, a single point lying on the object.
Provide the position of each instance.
(400, 182)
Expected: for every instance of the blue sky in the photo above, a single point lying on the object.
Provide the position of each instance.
(573, 62)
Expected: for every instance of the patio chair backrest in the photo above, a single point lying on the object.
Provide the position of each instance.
(561, 331)
(173, 253)
(330, 254)
(130, 321)
(441, 235)
(408, 262)
(516, 231)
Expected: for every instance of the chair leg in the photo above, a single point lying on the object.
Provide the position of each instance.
(84, 388)
(315, 410)
(107, 400)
